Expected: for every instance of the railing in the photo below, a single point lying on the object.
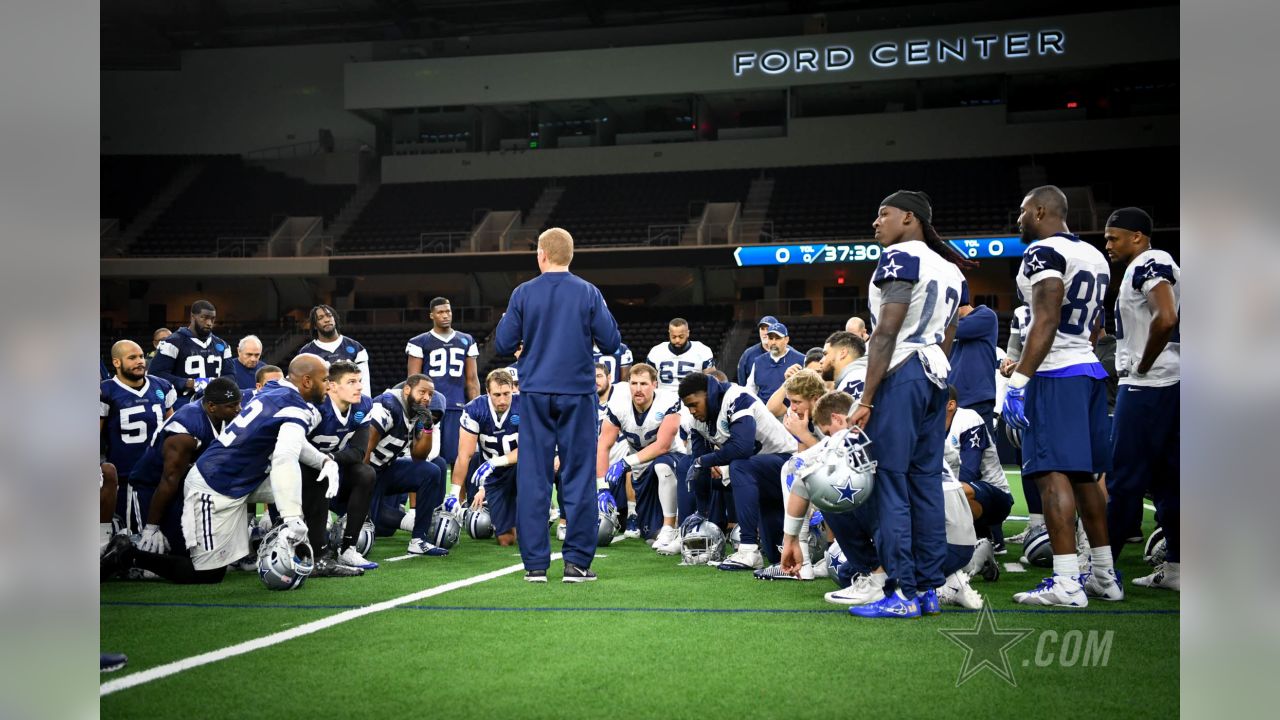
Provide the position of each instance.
(239, 246)
(666, 235)
(303, 149)
(471, 315)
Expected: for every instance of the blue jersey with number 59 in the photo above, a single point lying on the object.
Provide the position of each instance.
(1085, 275)
(936, 287)
(495, 434)
(444, 360)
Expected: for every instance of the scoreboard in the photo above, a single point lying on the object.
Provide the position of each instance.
(1009, 246)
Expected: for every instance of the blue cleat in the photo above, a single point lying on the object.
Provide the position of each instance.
(110, 662)
(929, 604)
(892, 606)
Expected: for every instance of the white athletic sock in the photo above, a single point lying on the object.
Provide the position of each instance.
(1034, 520)
(745, 547)
(666, 489)
(1101, 558)
(1066, 565)
(104, 534)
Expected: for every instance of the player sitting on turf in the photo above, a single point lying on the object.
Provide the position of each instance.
(648, 420)
(730, 426)
(492, 422)
(971, 456)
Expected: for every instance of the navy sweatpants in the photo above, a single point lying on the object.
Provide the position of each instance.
(568, 422)
(424, 477)
(1145, 436)
(757, 498)
(906, 429)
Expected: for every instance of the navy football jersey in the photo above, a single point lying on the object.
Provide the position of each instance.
(343, 348)
(495, 434)
(445, 361)
(240, 459)
(335, 430)
(190, 419)
(618, 360)
(132, 417)
(387, 414)
(183, 356)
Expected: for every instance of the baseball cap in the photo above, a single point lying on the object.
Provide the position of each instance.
(767, 320)
(778, 328)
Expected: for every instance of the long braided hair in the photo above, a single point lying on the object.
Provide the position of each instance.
(315, 330)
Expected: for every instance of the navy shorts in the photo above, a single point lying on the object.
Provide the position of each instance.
(996, 503)
(1069, 431)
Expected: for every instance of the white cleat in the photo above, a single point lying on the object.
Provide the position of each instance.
(352, 558)
(560, 532)
(865, 589)
(667, 542)
(746, 558)
(418, 546)
(822, 568)
(1104, 585)
(957, 591)
(1166, 577)
(1021, 537)
(1055, 590)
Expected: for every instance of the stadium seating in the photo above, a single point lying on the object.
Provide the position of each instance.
(129, 182)
(399, 214)
(233, 199)
(618, 209)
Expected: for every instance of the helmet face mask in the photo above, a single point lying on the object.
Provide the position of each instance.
(841, 476)
(701, 541)
(283, 565)
(364, 541)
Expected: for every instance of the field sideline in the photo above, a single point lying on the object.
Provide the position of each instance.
(647, 640)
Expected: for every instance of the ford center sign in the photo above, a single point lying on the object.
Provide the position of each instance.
(834, 58)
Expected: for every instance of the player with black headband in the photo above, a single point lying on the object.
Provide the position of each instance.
(1145, 433)
(914, 295)
(332, 346)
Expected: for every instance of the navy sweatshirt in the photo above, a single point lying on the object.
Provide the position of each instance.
(973, 357)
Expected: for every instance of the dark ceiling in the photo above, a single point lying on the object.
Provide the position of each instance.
(151, 33)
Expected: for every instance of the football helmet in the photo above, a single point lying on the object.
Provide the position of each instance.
(606, 527)
(841, 476)
(444, 528)
(1013, 435)
(701, 541)
(1156, 549)
(284, 564)
(364, 541)
(1037, 549)
(479, 524)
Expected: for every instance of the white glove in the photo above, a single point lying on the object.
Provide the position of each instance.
(329, 474)
(153, 541)
(295, 529)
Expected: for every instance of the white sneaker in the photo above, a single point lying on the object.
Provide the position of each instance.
(957, 591)
(1166, 577)
(1021, 537)
(553, 515)
(352, 558)
(822, 568)
(406, 522)
(1104, 585)
(418, 546)
(746, 558)
(1057, 590)
(667, 542)
(865, 589)
(560, 532)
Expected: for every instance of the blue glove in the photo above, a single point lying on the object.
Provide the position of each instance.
(1014, 413)
(616, 472)
(199, 385)
(452, 505)
(816, 519)
(482, 474)
(605, 502)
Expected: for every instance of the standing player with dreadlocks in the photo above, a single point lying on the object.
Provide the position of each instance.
(914, 295)
(331, 346)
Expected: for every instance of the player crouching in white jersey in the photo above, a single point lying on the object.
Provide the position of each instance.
(971, 457)
(648, 420)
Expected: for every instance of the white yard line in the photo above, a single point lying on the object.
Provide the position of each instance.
(163, 671)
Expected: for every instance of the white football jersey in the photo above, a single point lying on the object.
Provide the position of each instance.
(1133, 320)
(636, 430)
(621, 389)
(959, 518)
(935, 295)
(771, 436)
(854, 379)
(969, 433)
(1085, 276)
(672, 367)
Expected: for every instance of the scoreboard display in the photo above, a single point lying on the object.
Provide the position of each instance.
(1009, 246)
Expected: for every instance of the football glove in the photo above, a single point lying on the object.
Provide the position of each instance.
(482, 473)
(295, 529)
(605, 502)
(199, 385)
(816, 519)
(329, 474)
(616, 472)
(452, 505)
(153, 541)
(1014, 412)
(695, 469)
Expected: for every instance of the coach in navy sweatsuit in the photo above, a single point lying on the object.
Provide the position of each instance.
(973, 359)
(558, 316)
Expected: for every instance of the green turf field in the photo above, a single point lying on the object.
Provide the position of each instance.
(650, 639)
